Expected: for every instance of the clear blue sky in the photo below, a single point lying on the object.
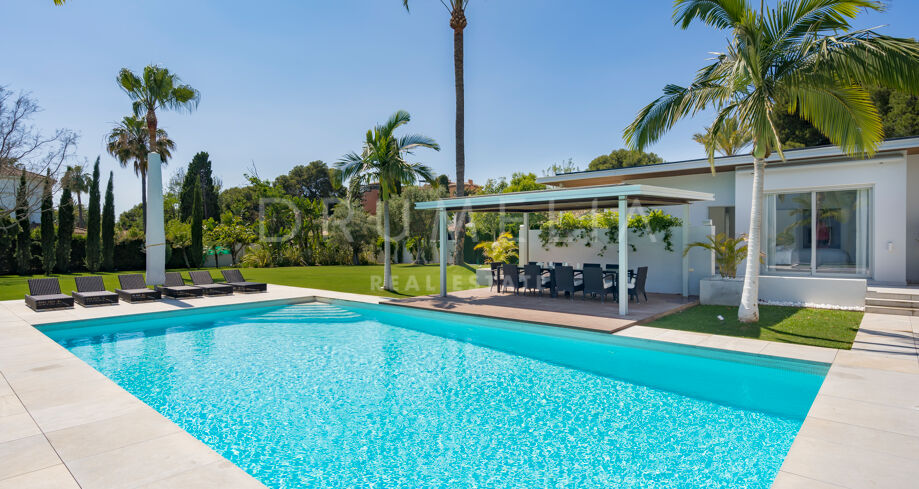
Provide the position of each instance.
(287, 82)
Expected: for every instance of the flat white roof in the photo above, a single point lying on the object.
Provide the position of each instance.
(578, 198)
(702, 165)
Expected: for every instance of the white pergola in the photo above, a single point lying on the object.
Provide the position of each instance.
(620, 197)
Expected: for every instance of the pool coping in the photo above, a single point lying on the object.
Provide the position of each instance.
(57, 413)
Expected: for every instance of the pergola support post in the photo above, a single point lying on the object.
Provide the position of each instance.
(685, 255)
(623, 256)
(524, 239)
(442, 218)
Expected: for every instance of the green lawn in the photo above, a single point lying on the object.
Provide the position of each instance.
(408, 280)
(816, 327)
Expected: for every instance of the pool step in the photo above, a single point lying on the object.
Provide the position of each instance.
(896, 301)
(307, 313)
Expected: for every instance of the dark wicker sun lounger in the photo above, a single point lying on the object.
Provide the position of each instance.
(235, 278)
(204, 280)
(134, 289)
(175, 287)
(45, 293)
(91, 292)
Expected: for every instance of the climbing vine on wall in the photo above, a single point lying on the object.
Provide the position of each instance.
(586, 229)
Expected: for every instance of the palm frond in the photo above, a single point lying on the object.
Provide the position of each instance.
(721, 14)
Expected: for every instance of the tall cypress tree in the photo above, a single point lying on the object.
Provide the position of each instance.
(24, 240)
(64, 231)
(108, 227)
(93, 224)
(48, 259)
(199, 173)
(197, 227)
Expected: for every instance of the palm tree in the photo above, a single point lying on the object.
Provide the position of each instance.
(156, 88)
(800, 54)
(128, 143)
(77, 179)
(382, 161)
(730, 140)
(457, 9)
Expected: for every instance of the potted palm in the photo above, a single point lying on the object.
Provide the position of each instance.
(725, 288)
(501, 250)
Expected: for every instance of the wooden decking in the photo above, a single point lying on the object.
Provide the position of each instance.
(588, 314)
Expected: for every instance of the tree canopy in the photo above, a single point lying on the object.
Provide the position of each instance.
(624, 158)
(314, 181)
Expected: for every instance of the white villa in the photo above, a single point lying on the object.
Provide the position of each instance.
(831, 224)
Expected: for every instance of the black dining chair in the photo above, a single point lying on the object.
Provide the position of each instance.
(594, 283)
(565, 281)
(534, 279)
(496, 275)
(511, 277)
(591, 265)
(612, 266)
(557, 264)
(638, 287)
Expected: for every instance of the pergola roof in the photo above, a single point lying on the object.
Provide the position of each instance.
(567, 199)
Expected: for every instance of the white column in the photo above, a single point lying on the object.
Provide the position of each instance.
(623, 256)
(156, 232)
(524, 241)
(442, 215)
(685, 256)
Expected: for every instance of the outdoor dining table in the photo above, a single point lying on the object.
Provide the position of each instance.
(553, 292)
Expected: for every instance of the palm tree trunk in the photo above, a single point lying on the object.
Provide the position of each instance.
(143, 198)
(749, 308)
(80, 210)
(459, 225)
(387, 260)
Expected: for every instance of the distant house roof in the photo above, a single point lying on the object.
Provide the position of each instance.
(814, 154)
(12, 171)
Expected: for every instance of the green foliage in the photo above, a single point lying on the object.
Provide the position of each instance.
(197, 227)
(568, 227)
(352, 227)
(9, 230)
(414, 225)
(240, 201)
(48, 257)
(108, 226)
(64, 231)
(315, 181)
(230, 233)
(501, 250)
(132, 218)
(729, 252)
(899, 112)
(799, 56)
(178, 235)
(257, 256)
(487, 225)
(729, 141)
(561, 168)
(624, 158)
(24, 240)
(94, 224)
(199, 170)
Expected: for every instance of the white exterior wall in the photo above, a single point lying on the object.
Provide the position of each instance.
(8, 188)
(912, 219)
(886, 176)
(665, 268)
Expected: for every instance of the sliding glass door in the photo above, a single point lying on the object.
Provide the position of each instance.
(819, 232)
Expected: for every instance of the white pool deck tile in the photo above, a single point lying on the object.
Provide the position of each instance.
(63, 425)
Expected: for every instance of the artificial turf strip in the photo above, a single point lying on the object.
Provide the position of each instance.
(798, 325)
(408, 280)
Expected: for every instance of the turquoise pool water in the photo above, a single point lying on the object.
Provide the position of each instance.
(348, 395)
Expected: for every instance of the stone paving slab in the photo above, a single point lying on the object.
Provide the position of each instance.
(63, 425)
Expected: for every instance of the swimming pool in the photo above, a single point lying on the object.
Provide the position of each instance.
(346, 394)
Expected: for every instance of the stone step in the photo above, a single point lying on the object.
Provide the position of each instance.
(892, 293)
(891, 302)
(897, 311)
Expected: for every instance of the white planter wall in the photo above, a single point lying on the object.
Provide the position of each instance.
(664, 268)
